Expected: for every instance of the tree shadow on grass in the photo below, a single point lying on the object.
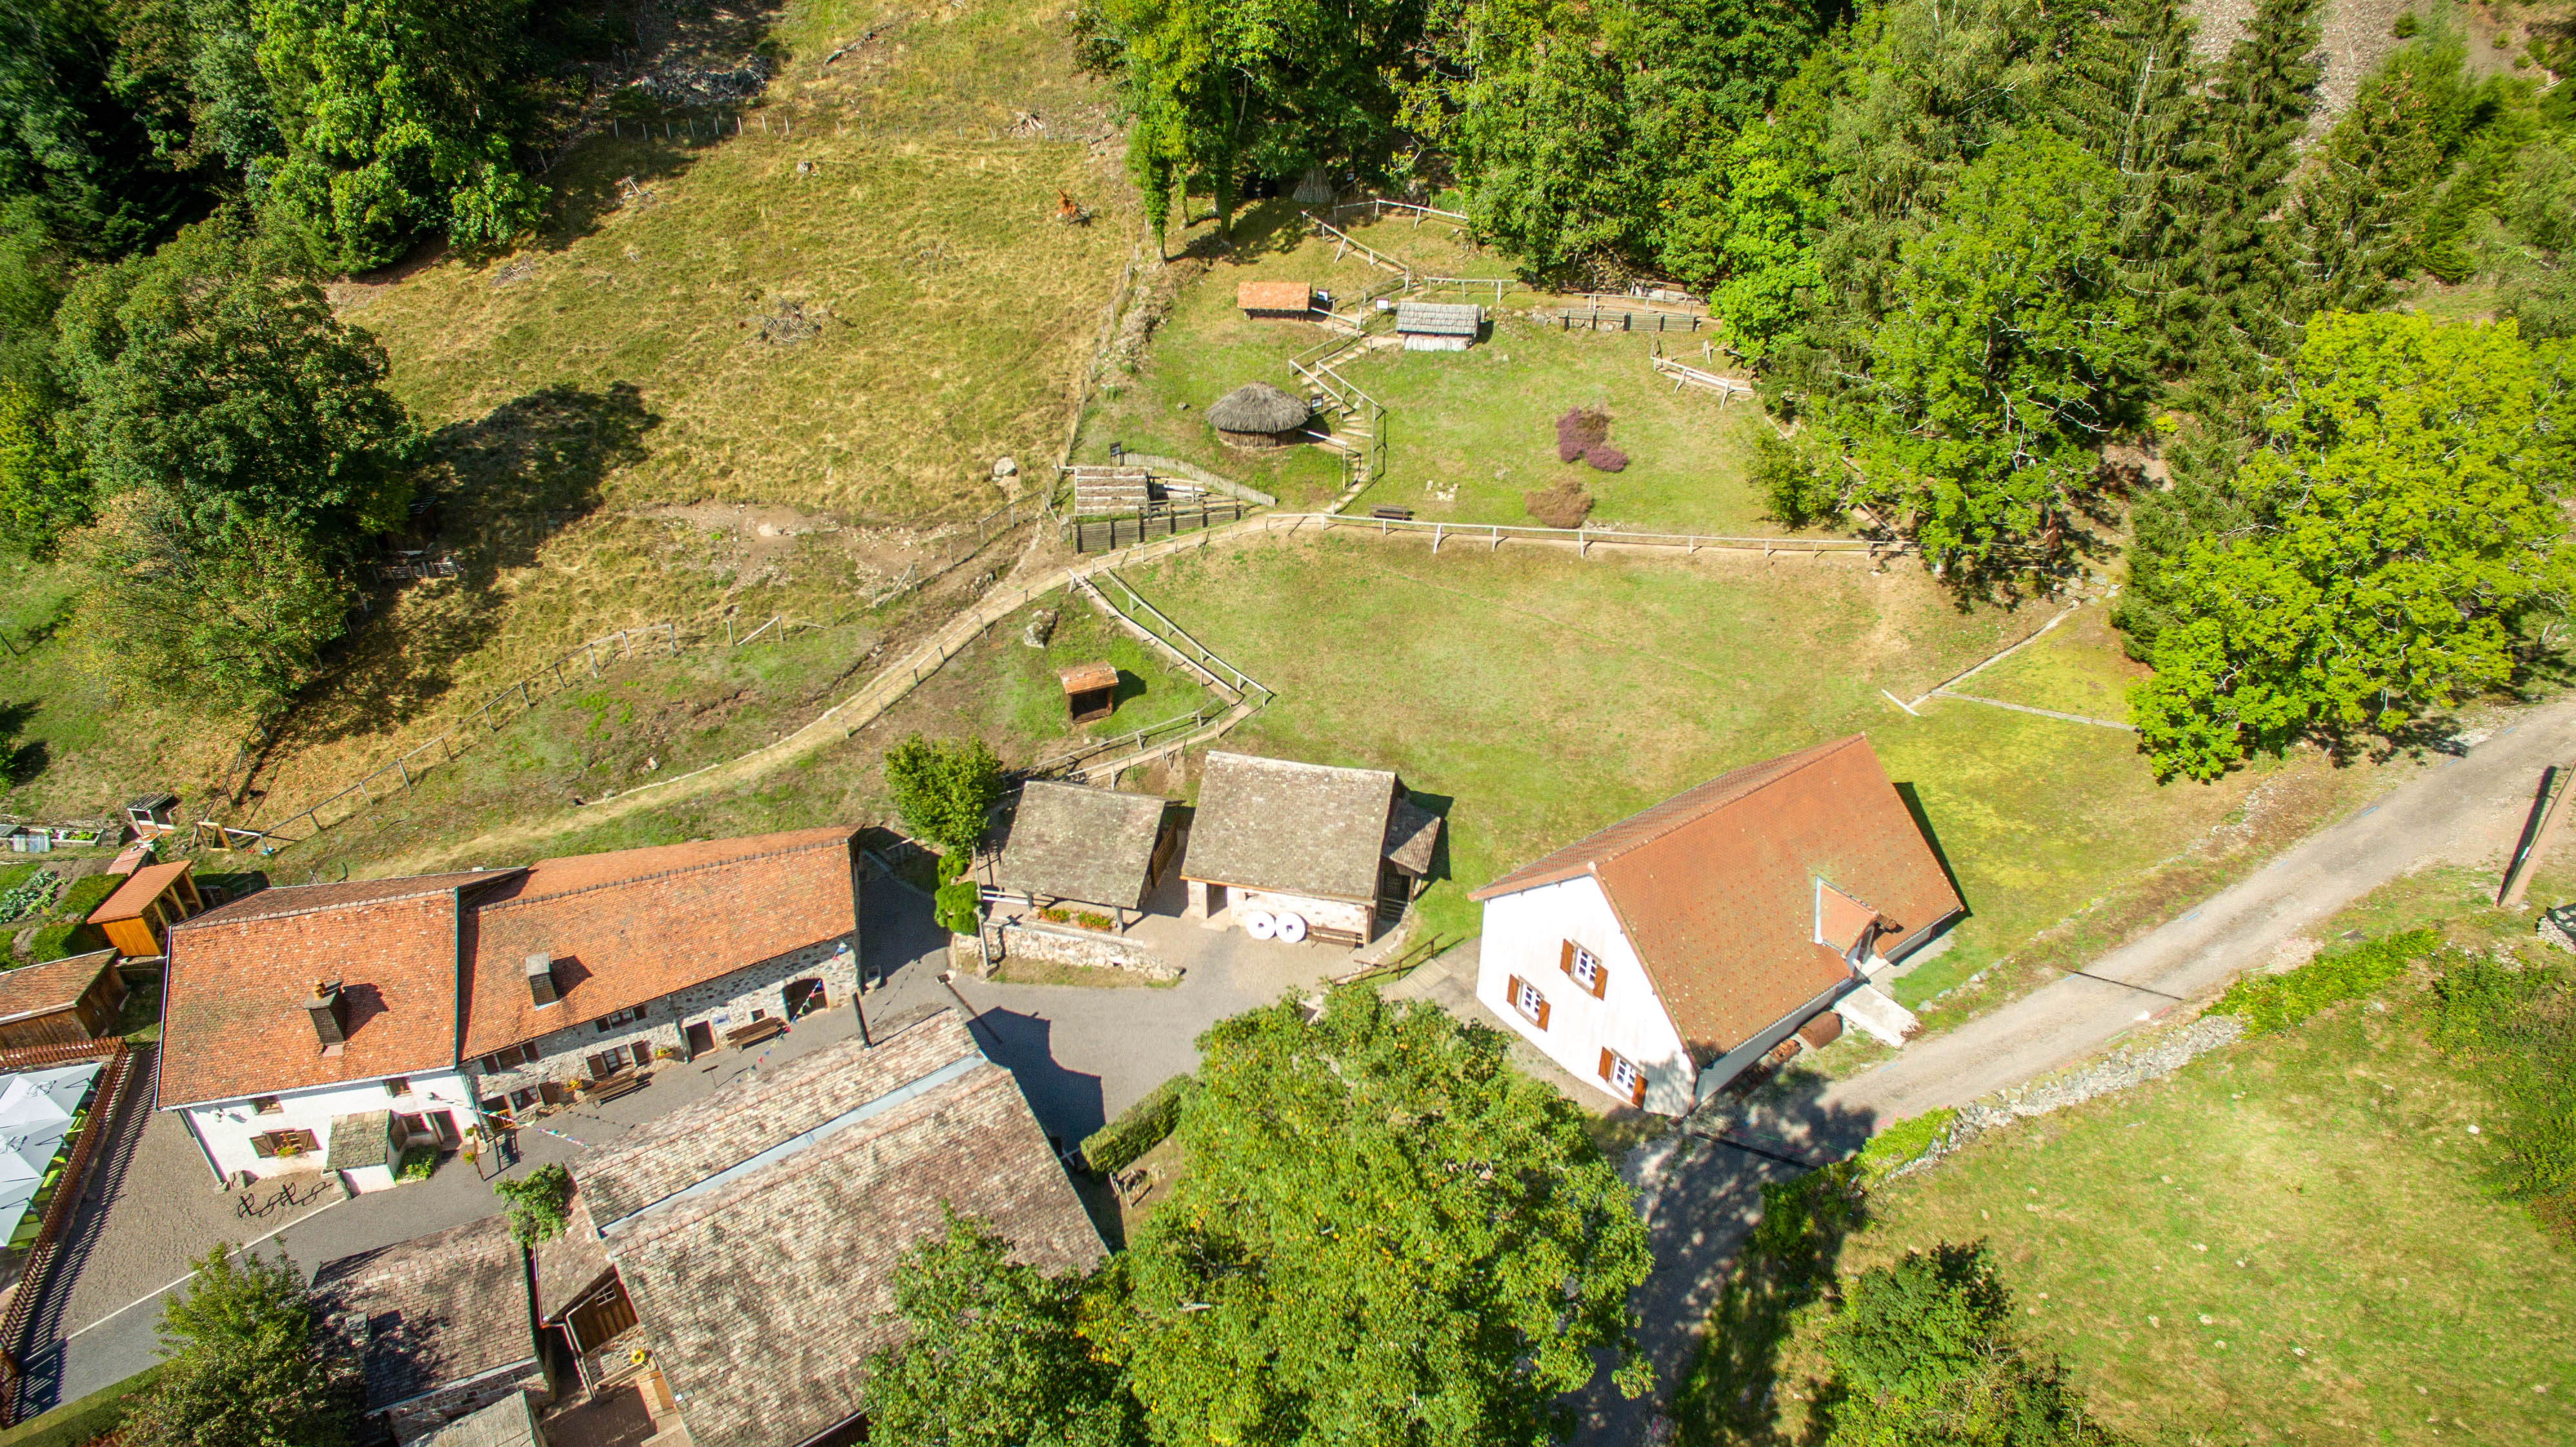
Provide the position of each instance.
(504, 485)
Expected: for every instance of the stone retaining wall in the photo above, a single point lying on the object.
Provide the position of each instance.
(1084, 949)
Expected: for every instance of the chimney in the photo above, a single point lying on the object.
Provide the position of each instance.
(328, 1021)
(541, 978)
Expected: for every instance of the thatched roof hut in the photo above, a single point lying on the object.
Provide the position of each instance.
(1257, 414)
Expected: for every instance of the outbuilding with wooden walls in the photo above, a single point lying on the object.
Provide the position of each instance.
(61, 1002)
(137, 918)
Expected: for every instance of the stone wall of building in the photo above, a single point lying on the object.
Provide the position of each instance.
(728, 1002)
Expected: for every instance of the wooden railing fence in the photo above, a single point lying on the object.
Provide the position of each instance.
(106, 1101)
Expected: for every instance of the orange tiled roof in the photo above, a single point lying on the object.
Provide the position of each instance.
(1715, 887)
(233, 1021)
(636, 925)
(1274, 296)
(138, 891)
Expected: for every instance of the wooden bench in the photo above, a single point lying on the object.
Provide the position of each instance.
(1392, 514)
(615, 1086)
(744, 1036)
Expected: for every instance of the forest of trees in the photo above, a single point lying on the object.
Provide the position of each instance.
(1970, 245)
(181, 415)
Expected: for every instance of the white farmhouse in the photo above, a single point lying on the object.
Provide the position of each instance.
(1661, 956)
(334, 1026)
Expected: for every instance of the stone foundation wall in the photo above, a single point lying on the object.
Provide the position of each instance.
(1085, 949)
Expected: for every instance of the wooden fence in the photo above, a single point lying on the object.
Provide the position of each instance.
(1583, 540)
(1102, 535)
(1378, 206)
(1621, 319)
(106, 1103)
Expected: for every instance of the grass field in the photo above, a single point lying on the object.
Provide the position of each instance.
(2281, 1243)
(1538, 698)
(1468, 435)
(651, 720)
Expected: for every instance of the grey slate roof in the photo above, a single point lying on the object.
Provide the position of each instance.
(569, 1265)
(431, 1311)
(762, 1292)
(1068, 841)
(364, 1139)
(1439, 318)
(1308, 829)
(1411, 833)
(508, 1422)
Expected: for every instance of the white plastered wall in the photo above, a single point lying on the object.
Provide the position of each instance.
(1524, 935)
(225, 1127)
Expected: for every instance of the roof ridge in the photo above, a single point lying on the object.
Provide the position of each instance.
(1573, 858)
(625, 880)
(213, 916)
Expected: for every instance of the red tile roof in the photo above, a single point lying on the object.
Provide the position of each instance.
(1715, 887)
(234, 1024)
(636, 925)
(138, 891)
(54, 985)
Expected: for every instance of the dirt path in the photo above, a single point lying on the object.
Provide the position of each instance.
(1700, 1196)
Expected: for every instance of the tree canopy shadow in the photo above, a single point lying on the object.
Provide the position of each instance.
(501, 486)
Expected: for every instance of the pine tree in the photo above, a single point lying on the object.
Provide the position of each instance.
(2129, 94)
(2255, 114)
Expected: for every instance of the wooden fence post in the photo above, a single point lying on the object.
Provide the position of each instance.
(406, 775)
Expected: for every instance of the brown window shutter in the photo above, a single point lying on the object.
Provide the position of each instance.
(1565, 958)
(1512, 992)
(1637, 1093)
(1542, 1012)
(1607, 1060)
(1600, 979)
(262, 1147)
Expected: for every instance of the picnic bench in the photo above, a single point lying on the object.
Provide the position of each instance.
(743, 1036)
(611, 1087)
(1392, 514)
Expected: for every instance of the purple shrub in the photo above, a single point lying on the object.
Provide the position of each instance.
(1579, 431)
(1605, 458)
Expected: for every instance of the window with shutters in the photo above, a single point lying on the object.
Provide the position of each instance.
(1584, 968)
(398, 1087)
(267, 1105)
(270, 1144)
(1623, 1077)
(1526, 998)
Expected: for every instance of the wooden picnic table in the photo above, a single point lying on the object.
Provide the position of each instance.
(755, 1032)
(614, 1086)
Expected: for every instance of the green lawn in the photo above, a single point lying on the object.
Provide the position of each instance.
(2077, 668)
(2279, 1244)
(1543, 697)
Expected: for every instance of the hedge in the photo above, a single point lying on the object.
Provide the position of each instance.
(1138, 1129)
(87, 893)
(65, 938)
(86, 1420)
(2268, 1003)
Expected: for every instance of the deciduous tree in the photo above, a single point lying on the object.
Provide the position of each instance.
(245, 1366)
(944, 789)
(1386, 1234)
(2402, 527)
(996, 1356)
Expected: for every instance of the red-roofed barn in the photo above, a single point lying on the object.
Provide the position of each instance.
(1661, 956)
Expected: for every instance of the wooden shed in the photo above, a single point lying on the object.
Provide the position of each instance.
(61, 1002)
(1275, 300)
(137, 918)
(153, 815)
(1090, 690)
(1438, 326)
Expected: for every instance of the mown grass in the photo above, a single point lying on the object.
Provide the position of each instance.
(2283, 1242)
(78, 747)
(2077, 668)
(1542, 697)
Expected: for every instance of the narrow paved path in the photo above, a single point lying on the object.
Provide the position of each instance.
(1700, 1196)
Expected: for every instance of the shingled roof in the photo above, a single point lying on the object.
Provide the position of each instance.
(638, 924)
(430, 1312)
(1716, 887)
(233, 1020)
(1308, 829)
(1067, 841)
(757, 1230)
(1439, 318)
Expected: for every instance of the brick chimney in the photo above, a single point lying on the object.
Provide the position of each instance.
(330, 1020)
(541, 978)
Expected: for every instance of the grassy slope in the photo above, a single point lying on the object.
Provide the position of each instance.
(681, 715)
(1548, 697)
(2327, 1172)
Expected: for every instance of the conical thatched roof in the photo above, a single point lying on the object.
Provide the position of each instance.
(1257, 407)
